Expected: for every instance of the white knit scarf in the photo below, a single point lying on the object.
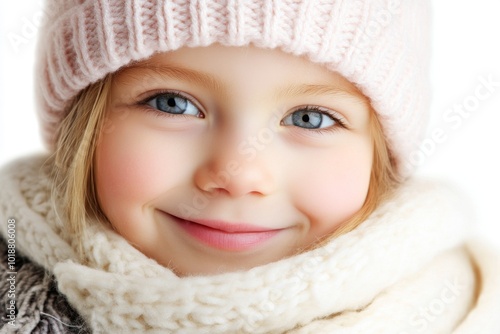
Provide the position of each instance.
(404, 270)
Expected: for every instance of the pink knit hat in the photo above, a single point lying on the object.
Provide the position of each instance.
(379, 45)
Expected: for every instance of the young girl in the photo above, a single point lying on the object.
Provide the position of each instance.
(236, 167)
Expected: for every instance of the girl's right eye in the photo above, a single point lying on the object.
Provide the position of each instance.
(173, 103)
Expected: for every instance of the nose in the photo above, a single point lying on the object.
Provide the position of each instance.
(236, 168)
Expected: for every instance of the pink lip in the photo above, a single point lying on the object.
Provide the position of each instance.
(227, 236)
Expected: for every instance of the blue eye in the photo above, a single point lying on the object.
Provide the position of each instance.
(309, 119)
(173, 103)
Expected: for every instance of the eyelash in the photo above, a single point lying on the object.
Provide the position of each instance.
(144, 103)
(340, 123)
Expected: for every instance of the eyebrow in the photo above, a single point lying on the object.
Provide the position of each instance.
(318, 90)
(180, 73)
(213, 84)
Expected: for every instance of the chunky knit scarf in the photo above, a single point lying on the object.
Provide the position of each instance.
(406, 269)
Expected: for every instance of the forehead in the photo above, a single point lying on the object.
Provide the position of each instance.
(251, 67)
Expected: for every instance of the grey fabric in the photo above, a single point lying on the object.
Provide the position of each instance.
(40, 307)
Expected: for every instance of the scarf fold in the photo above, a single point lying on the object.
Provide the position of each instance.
(406, 269)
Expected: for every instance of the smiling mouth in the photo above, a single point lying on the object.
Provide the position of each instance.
(226, 236)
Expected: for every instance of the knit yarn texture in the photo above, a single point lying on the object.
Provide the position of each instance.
(375, 279)
(40, 307)
(379, 45)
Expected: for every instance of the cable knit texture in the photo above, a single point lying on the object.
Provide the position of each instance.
(405, 270)
(379, 45)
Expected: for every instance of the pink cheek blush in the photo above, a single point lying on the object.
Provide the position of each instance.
(336, 190)
(127, 172)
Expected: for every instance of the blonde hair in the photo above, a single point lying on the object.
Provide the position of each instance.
(74, 170)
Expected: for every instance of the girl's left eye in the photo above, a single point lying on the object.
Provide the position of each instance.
(173, 103)
(310, 119)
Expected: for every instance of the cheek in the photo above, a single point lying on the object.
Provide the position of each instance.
(335, 188)
(133, 168)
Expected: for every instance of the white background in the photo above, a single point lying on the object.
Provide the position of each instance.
(466, 47)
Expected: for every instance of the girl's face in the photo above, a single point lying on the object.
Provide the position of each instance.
(219, 158)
